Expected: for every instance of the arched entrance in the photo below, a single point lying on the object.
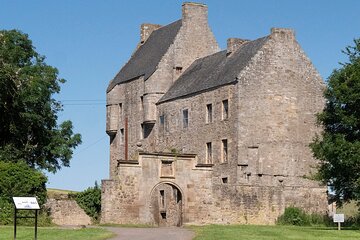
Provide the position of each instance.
(166, 205)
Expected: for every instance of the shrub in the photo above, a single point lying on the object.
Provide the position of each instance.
(90, 201)
(294, 216)
(298, 217)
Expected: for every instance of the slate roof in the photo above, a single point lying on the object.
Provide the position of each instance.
(213, 71)
(145, 60)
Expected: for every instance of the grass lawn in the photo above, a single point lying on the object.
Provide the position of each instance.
(44, 233)
(250, 232)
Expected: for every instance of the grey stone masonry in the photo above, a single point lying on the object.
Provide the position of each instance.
(200, 136)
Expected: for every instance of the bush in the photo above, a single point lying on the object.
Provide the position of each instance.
(298, 217)
(90, 201)
(294, 216)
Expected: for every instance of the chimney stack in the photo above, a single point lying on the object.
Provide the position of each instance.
(194, 12)
(283, 33)
(146, 29)
(234, 44)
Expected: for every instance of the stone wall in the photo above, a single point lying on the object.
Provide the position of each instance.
(66, 211)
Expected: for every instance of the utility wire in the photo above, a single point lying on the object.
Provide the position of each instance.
(82, 102)
(90, 145)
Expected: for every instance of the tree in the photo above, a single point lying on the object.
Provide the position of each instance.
(28, 112)
(338, 148)
(19, 180)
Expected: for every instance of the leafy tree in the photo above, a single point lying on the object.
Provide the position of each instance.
(338, 149)
(28, 114)
(90, 201)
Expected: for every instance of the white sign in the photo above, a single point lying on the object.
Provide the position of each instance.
(339, 218)
(26, 203)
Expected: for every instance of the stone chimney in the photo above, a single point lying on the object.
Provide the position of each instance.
(283, 33)
(146, 29)
(194, 13)
(234, 44)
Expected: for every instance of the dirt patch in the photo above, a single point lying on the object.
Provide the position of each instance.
(163, 233)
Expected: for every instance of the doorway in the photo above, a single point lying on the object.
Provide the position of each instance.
(166, 205)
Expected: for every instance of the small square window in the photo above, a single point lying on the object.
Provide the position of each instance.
(178, 70)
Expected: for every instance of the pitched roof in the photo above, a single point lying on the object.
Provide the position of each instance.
(213, 71)
(145, 60)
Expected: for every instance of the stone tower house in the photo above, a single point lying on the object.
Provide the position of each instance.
(200, 135)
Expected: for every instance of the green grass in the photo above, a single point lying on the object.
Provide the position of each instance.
(27, 233)
(55, 193)
(251, 232)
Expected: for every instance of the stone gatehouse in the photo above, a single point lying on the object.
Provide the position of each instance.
(203, 135)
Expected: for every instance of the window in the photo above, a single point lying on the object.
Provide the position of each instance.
(167, 168)
(120, 110)
(224, 180)
(208, 152)
(178, 70)
(162, 123)
(141, 103)
(185, 114)
(209, 113)
(224, 150)
(146, 130)
(122, 135)
(162, 120)
(162, 199)
(225, 109)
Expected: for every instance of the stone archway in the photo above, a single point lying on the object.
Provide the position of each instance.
(166, 205)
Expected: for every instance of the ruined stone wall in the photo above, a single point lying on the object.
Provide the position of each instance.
(120, 196)
(66, 211)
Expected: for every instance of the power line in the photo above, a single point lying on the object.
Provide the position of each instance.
(90, 145)
(82, 102)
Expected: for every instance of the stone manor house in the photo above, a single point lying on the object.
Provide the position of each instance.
(203, 135)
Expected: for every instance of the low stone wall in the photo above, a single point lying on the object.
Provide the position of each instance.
(67, 212)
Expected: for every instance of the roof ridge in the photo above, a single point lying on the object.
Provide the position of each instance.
(145, 59)
(213, 70)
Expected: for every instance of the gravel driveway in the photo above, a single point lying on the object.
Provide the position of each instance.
(162, 233)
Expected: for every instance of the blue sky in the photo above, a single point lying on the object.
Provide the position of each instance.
(89, 41)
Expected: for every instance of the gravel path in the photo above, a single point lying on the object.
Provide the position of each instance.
(163, 233)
